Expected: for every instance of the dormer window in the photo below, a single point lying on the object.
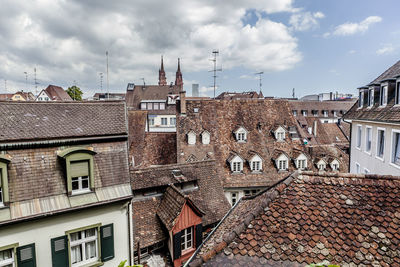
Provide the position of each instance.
(314, 112)
(4, 197)
(205, 137)
(79, 164)
(383, 95)
(325, 112)
(241, 135)
(301, 162)
(397, 94)
(294, 112)
(304, 113)
(370, 97)
(321, 165)
(280, 133)
(335, 165)
(236, 163)
(255, 163)
(282, 162)
(191, 138)
(334, 113)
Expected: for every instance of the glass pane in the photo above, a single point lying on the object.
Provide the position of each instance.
(85, 182)
(76, 236)
(5, 254)
(75, 184)
(90, 249)
(90, 232)
(76, 254)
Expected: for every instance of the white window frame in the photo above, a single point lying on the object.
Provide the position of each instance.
(143, 106)
(282, 164)
(1, 197)
(304, 113)
(371, 97)
(151, 121)
(149, 106)
(366, 140)
(325, 112)
(204, 136)
(358, 168)
(234, 197)
(397, 92)
(359, 136)
(294, 112)
(164, 120)
(81, 242)
(162, 106)
(255, 166)
(394, 131)
(301, 164)
(9, 261)
(280, 135)
(237, 166)
(172, 121)
(334, 113)
(241, 135)
(380, 129)
(361, 99)
(383, 99)
(185, 240)
(191, 138)
(319, 165)
(80, 189)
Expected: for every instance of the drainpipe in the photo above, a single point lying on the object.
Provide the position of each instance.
(131, 236)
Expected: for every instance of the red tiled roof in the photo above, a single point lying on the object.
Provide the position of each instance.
(57, 93)
(343, 219)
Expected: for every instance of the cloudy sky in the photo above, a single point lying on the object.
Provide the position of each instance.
(310, 45)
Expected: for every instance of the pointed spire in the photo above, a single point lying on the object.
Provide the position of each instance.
(162, 80)
(178, 79)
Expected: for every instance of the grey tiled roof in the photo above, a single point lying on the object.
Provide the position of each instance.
(390, 73)
(55, 120)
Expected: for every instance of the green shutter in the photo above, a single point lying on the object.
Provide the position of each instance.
(107, 242)
(199, 234)
(26, 256)
(79, 168)
(177, 245)
(59, 252)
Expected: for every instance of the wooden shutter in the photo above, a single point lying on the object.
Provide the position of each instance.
(199, 234)
(79, 168)
(1, 177)
(26, 256)
(107, 242)
(59, 252)
(177, 245)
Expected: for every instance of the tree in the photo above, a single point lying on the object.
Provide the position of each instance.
(75, 92)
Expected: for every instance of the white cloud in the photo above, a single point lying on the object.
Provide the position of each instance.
(351, 28)
(67, 40)
(385, 50)
(303, 21)
(352, 51)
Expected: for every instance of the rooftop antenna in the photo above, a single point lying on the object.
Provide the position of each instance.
(260, 78)
(215, 53)
(144, 83)
(36, 82)
(293, 93)
(101, 82)
(108, 88)
(26, 80)
(5, 85)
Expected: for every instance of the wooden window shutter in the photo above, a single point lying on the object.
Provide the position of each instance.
(79, 168)
(1, 177)
(177, 245)
(199, 235)
(59, 252)
(107, 242)
(26, 256)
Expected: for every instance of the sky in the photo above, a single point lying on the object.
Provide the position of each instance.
(313, 46)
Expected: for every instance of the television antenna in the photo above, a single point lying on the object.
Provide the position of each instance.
(36, 82)
(108, 88)
(144, 83)
(26, 80)
(101, 82)
(214, 59)
(260, 78)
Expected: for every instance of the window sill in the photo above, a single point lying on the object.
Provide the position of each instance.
(381, 159)
(187, 251)
(256, 172)
(368, 152)
(237, 173)
(81, 192)
(394, 165)
(359, 148)
(93, 264)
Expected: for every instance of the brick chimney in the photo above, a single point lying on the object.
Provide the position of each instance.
(182, 101)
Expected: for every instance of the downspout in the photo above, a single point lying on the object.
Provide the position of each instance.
(131, 237)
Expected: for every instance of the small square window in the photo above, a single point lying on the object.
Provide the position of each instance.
(187, 239)
(162, 106)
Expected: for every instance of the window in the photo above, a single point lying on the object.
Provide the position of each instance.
(80, 176)
(280, 134)
(162, 106)
(314, 112)
(398, 93)
(4, 197)
(282, 165)
(304, 113)
(396, 148)
(164, 121)
(79, 169)
(84, 248)
(368, 139)
(236, 166)
(321, 166)
(172, 121)
(143, 106)
(241, 134)
(149, 106)
(294, 112)
(151, 121)
(191, 138)
(358, 168)
(301, 164)
(7, 258)
(187, 239)
(370, 97)
(335, 166)
(252, 192)
(241, 137)
(234, 197)
(325, 113)
(196, 110)
(255, 165)
(359, 132)
(156, 106)
(205, 138)
(334, 113)
(361, 99)
(381, 143)
(383, 96)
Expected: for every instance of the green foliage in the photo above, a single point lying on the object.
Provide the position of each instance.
(75, 92)
(122, 264)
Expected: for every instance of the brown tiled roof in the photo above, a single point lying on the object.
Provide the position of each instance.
(28, 96)
(209, 197)
(320, 106)
(241, 95)
(25, 121)
(57, 93)
(344, 219)
(220, 118)
(6, 96)
(171, 206)
(390, 73)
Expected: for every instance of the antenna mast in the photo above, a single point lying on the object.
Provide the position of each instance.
(26, 80)
(260, 79)
(101, 82)
(5, 85)
(108, 88)
(36, 83)
(215, 53)
(293, 93)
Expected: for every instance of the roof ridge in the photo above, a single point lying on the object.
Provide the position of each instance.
(375, 177)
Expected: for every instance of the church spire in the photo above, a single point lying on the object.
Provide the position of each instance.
(178, 79)
(162, 80)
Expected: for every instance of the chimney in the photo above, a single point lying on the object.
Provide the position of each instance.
(195, 89)
(315, 128)
(182, 97)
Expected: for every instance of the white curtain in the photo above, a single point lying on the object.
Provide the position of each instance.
(76, 254)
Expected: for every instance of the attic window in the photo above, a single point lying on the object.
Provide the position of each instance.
(370, 97)
(314, 113)
(280, 134)
(196, 110)
(282, 162)
(325, 112)
(191, 138)
(383, 95)
(236, 164)
(304, 113)
(321, 166)
(294, 112)
(335, 165)
(397, 92)
(241, 135)
(205, 138)
(361, 99)
(255, 163)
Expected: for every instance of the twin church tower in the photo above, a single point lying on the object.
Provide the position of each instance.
(162, 79)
